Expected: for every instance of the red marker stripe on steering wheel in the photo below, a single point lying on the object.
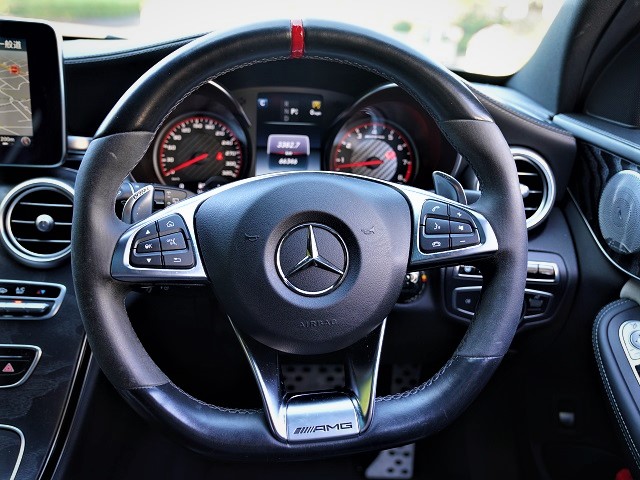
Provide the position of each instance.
(297, 39)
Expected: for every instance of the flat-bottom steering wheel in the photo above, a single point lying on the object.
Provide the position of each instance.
(302, 263)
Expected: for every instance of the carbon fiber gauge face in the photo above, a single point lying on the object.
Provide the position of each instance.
(377, 150)
(198, 149)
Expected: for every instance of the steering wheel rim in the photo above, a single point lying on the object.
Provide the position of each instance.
(127, 133)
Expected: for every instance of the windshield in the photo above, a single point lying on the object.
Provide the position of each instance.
(491, 37)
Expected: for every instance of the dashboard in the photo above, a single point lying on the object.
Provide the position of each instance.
(216, 136)
(287, 116)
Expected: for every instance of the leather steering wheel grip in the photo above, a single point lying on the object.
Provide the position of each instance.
(126, 134)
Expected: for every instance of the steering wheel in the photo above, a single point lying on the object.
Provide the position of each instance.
(302, 263)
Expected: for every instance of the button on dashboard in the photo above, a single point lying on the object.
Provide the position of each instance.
(149, 231)
(465, 240)
(433, 208)
(459, 227)
(178, 259)
(151, 260)
(434, 243)
(460, 215)
(171, 224)
(174, 241)
(148, 246)
(436, 226)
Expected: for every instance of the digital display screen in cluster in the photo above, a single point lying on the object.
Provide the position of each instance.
(290, 108)
(288, 131)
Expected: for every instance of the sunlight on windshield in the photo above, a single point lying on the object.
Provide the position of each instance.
(494, 37)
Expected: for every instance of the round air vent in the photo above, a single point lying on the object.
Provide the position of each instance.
(36, 222)
(537, 185)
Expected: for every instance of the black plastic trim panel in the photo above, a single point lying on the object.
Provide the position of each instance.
(620, 140)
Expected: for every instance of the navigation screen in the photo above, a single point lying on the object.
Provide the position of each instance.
(15, 95)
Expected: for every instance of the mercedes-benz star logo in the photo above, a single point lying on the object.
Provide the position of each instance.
(312, 259)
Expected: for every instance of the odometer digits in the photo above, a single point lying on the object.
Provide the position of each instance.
(195, 149)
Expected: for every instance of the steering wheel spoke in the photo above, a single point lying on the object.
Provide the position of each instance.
(318, 415)
(446, 232)
(161, 249)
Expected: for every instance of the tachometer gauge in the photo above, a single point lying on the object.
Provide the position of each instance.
(195, 149)
(377, 150)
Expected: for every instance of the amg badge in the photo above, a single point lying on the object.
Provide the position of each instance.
(323, 428)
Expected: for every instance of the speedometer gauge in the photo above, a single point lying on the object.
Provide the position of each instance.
(195, 150)
(377, 150)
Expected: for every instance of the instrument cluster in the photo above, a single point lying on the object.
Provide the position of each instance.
(216, 136)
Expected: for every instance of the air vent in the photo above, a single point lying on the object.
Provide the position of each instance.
(36, 222)
(537, 185)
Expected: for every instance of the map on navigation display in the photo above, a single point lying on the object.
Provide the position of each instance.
(15, 96)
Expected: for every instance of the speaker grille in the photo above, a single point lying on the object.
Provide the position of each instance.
(36, 219)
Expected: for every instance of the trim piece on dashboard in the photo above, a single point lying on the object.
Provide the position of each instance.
(61, 436)
(594, 135)
(54, 302)
(76, 144)
(297, 38)
(21, 452)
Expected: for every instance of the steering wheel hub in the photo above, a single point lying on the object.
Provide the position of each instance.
(306, 270)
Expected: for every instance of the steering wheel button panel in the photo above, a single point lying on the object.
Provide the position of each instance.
(445, 227)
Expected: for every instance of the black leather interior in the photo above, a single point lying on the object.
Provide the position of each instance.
(122, 140)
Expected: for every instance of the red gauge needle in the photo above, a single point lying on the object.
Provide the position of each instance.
(368, 163)
(186, 164)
